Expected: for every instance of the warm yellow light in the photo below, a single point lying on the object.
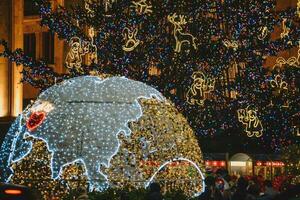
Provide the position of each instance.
(4, 112)
(238, 164)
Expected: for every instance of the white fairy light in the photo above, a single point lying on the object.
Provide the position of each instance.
(84, 120)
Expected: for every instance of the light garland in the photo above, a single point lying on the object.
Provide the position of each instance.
(202, 186)
(178, 33)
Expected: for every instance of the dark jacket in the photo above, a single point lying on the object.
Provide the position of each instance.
(154, 196)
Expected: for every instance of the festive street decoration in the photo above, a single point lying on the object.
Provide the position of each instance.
(264, 32)
(141, 7)
(292, 61)
(87, 5)
(35, 120)
(42, 106)
(78, 49)
(279, 88)
(179, 35)
(246, 33)
(93, 47)
(109, 127)
(285, 30)
(202, 85)
(131, 42)
(231, 44)
(290, 155)
(74, 57)
(278, 84)
(249, 118)
(34, 170)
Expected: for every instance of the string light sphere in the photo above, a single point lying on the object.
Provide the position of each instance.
(110, 132)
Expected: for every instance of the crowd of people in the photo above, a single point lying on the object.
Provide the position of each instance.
(220, 186)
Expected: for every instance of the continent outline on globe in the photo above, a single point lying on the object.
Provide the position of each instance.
(56, 97)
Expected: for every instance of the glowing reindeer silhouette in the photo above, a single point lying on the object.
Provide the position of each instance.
(249, 118)
(181, 37)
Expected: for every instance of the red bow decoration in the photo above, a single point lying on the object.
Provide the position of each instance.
(35, 120)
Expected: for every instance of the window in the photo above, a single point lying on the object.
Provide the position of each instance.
(48, 47)
(30, 44)
(30, 8)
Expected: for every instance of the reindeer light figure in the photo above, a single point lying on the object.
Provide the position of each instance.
(249, 118)
(201, 86)
(181, 37)
(131, 41)
(286, 30)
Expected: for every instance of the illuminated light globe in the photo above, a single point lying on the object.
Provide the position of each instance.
(122, 132)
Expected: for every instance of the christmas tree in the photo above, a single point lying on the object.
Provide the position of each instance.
(206, 56)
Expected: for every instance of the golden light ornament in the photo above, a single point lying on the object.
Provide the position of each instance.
(131, 42)
(285, 29)
(248, 117)
(292, 61)
(278, 83)
(78, 48)
(264, 32)
(231, 44)
(87, 4)
(202, 85)
(279, 86)
(179, 35)
(141, 7)
(93, 48)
